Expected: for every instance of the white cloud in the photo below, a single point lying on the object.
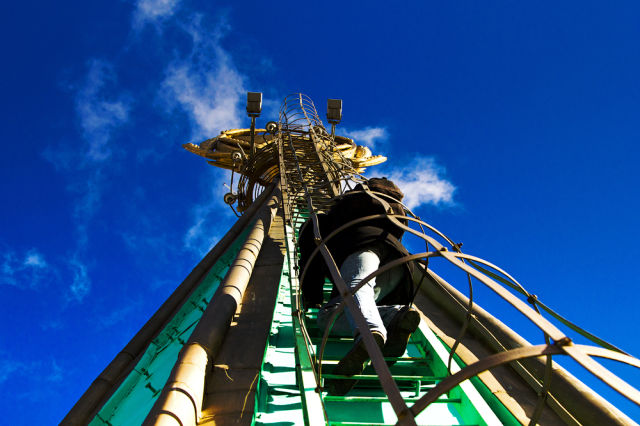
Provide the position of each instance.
(205, 231)
(99, 114)
(193, 237)
(271, 108)
(9, 367)
(210, 221)
(8, 268)
(146, 235)
(26, 272)
(421, 181)
(51, 324)
(56, 374)
(32, 271)
(101, 109)
(369, 136)
(153, 11)
(115, 316)
(212, 100)
(89, 191)
(34, 259)
(205, 85)
(19, 370)
(81, 283)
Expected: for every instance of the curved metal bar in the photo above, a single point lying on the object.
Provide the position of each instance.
(516, 284)
(542, 323)
(534, 316)
(417, 219)
(546, 385)
(478, 367)
(469, 308)
(608, 354)
(580, 354)
(372, 217)
(546, 382)
(463, 329)
(579, 351)
(325, 336)
(355, 222)
(390, 265)
(527, 311)
(520, 288)
(555, 315)
(335, 232)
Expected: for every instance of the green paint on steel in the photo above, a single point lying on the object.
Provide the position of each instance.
(284, 395)
(278, 399)
(505, 416)
(132, 401)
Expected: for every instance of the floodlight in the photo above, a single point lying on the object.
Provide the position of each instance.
(334, 110)
(254, 103)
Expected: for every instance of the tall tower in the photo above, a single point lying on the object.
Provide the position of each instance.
(234, 345)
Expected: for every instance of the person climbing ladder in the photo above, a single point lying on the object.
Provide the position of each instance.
(360, 250)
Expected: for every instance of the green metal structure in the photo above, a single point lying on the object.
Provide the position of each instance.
(234, 345)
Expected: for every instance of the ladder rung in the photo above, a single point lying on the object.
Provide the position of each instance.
(421, 361)
(405, 378)
(383, 398)
(331, 423)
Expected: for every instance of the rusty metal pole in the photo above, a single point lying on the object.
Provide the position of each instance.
(180, 402)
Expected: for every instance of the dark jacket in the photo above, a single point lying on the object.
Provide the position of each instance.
(370, 234)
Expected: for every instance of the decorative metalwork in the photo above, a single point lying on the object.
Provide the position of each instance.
(298, 124)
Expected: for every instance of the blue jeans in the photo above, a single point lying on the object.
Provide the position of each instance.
(354, 268)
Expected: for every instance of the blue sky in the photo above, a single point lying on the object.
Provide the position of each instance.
(518, 124)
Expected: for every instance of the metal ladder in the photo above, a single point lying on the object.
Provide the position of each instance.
(287, 389)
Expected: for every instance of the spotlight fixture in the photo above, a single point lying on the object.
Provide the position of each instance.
(254, 108)
(334, 110)
(254, 104)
